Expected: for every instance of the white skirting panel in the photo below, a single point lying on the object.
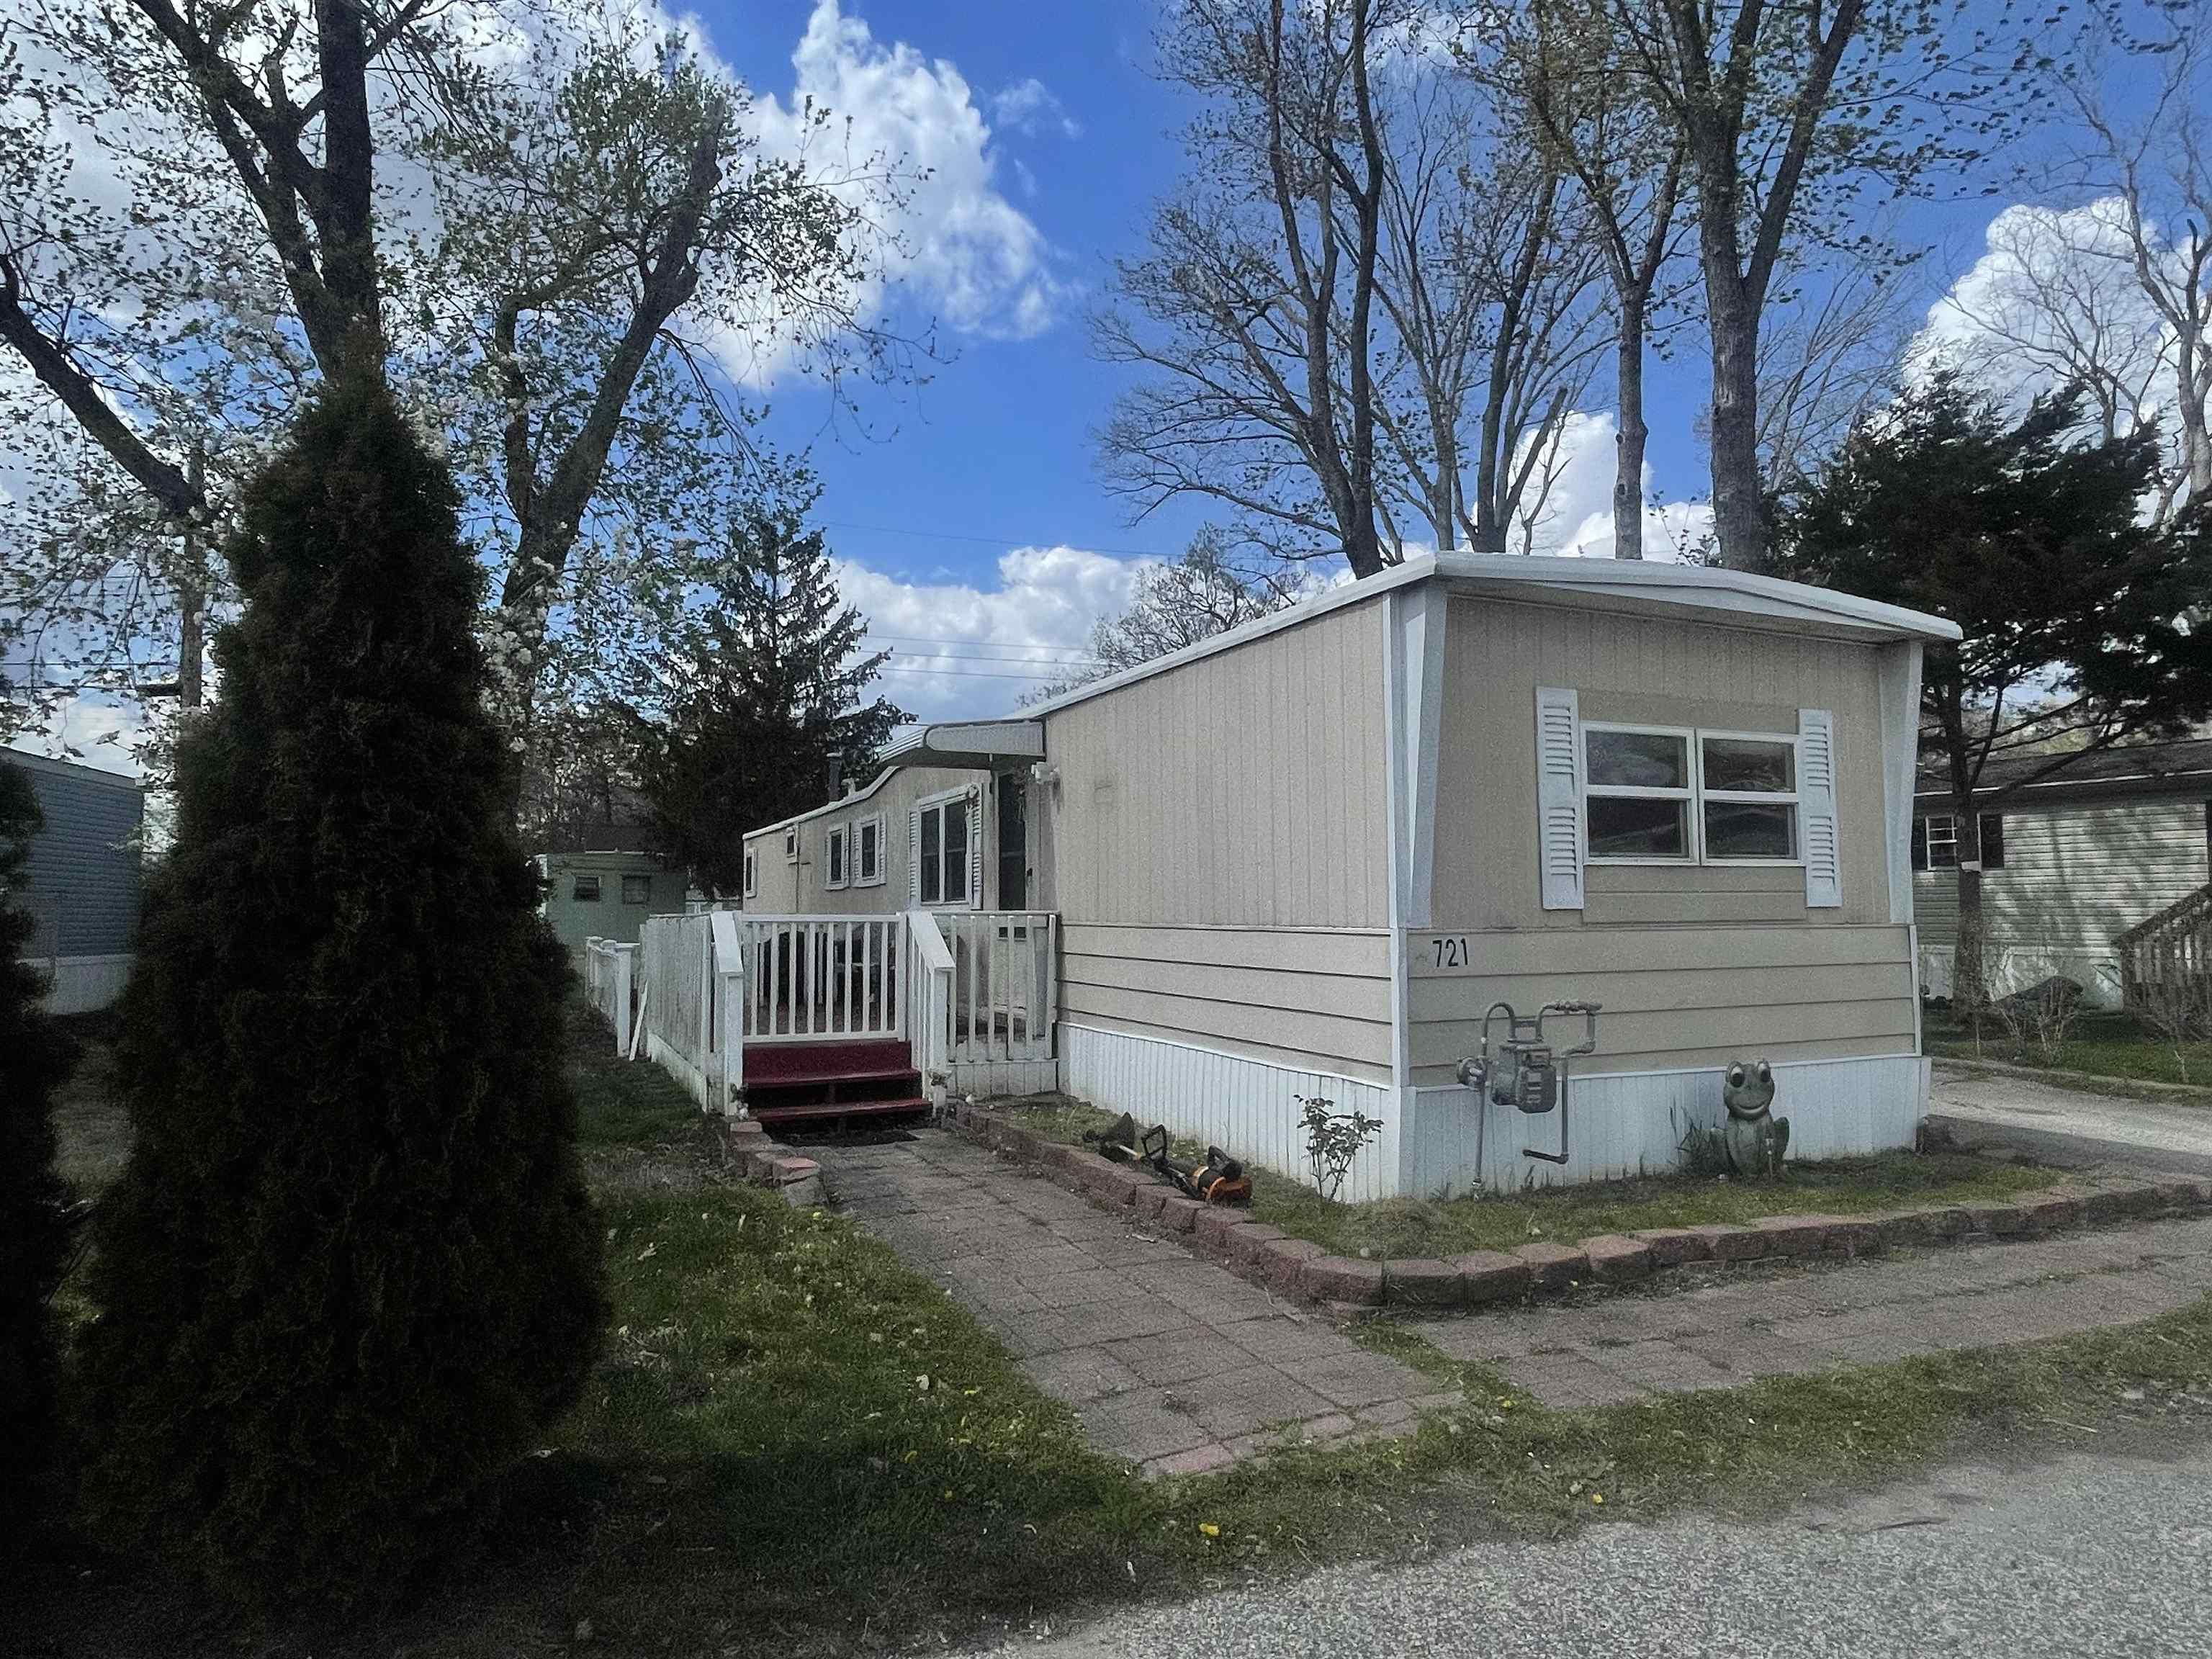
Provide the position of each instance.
(1632, 1124)
(1247, 1107)
(2019, 966)
(81, 985)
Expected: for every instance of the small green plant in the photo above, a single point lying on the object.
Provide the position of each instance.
(1333, 1139)
(1703, 1149)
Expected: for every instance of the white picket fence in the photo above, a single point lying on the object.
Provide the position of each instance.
(610, 978)
(972, 992)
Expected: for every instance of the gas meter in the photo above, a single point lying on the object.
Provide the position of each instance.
(1522, 1069)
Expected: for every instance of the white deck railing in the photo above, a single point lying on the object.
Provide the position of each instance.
(609, 977)
(1005, 986)
(823, 978)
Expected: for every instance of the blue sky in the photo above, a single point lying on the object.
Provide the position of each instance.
(1055, 112)
(968, 513)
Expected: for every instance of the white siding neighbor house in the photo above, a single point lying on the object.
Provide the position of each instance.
(1304, 858)
(81, 886)
(2068, 864)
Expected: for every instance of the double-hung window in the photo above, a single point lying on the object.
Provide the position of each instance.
(868, 852)
(791, 845)
(834, 844)
(1679, 795)
(1747, 782)
(1641, 799)
(942, 831)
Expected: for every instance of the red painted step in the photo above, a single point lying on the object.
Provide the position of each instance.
(780, 1063)
(815, 1111)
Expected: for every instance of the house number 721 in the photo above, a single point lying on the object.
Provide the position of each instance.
(1451, 949)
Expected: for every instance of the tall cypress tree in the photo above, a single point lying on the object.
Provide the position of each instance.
(350, 1270)
(33, 1056)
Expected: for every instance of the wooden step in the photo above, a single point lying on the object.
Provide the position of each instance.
(818, 1111)
(779, 1064)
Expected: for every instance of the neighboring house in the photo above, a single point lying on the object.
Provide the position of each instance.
(603, 887)
(82, 886)
(1303, 858)
(2068, 864)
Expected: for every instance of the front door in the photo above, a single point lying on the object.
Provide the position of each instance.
(1013, 843)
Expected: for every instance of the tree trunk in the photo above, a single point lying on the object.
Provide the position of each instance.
(1739, 508)
(1629, 441)
(192, 603)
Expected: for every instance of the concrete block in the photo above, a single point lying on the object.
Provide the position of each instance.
(1340, 1278)
(1148, 1199)
(1724, 1242)
(1247, 1245)
(1179, 1214)
(1614, 1259)
(1421, 1282)
(1793, 1235)
(1851, 1235)
(1215, 1224)
(2045, 1212)
(1553, 1266)
(1672, 1246)
(1995, 1219)
(1492, 1276)
(1285, 1262)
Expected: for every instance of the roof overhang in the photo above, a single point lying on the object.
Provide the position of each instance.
(1717, 594)
(983, 744)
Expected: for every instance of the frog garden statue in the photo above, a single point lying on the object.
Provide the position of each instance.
(1755, 1139)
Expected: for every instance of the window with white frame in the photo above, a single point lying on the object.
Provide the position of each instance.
(791, 845)
(943, 830)
(1681, 795)
(752, 873)
(868, 852)
(834, 871)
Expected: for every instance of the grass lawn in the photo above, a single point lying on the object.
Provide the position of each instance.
(1424, 1227)
(792, 1445)
(2100, 1045)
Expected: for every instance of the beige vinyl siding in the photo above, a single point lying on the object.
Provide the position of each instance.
(789, 889)
(1673, 998)
(1651, 670)
(1306, 999)
(1244, 789)
(2075, 875)
(1693, 964)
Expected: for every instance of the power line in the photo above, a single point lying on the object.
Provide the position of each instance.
(963, 673)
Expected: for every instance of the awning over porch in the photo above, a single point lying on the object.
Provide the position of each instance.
(986, 745)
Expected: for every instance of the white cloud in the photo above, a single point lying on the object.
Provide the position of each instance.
(1029, 105)
(1578, 519)
(1035, 621)
(974, 258)
(95, 730)
(2055, 291)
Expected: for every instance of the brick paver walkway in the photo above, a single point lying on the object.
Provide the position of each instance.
(1736, 1328)
(1171, 1362)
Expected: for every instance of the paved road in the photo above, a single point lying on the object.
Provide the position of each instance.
(2089, 1556)
(2068, 1124)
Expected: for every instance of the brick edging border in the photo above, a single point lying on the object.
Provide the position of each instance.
(746, 1149)
(1298, 1267)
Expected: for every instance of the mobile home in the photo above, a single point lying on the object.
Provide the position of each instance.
(82, 882)
(1304, 858)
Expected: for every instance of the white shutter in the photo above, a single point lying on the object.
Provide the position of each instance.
(914, 858)
(974, 849)
(1816, 808)
(1559, 796)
